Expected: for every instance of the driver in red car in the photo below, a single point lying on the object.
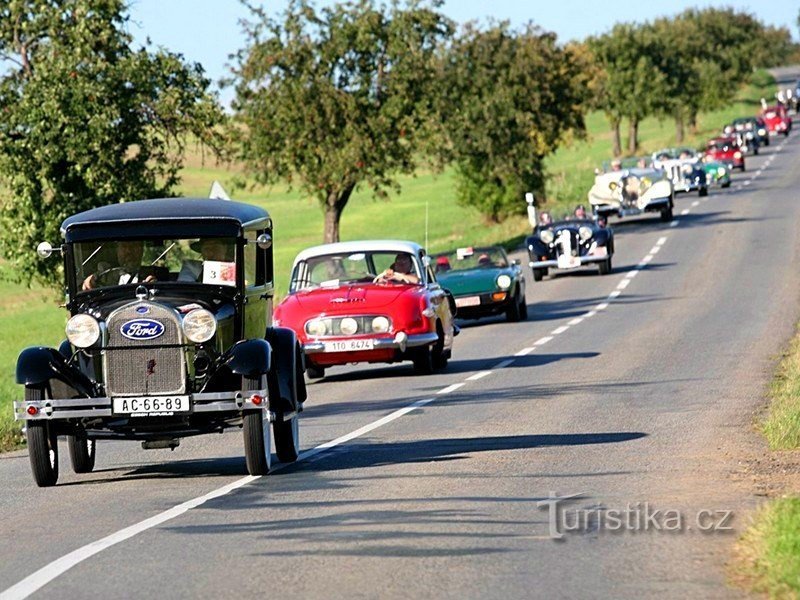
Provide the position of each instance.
(402, 270)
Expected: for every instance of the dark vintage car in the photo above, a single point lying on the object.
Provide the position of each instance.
(685, 169)
(751, 133)
(483, 281)
(169, 336)
(569, 245)
(373, 301)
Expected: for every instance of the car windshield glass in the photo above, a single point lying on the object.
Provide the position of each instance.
(770, 115)
(104, 264)
(464, 259)
(332, 270)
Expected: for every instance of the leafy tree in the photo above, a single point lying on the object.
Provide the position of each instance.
(337, 97)
(509, 99)
(634, 85)
(86, 119)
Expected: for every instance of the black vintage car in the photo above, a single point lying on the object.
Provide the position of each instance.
(169, 336)
(568, 245)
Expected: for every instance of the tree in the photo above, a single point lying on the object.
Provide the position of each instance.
(338, 97)
(86, 120)
(633, 85)
(509, 99)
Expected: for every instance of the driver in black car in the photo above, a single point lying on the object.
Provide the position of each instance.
(402, 270)
(129, 258)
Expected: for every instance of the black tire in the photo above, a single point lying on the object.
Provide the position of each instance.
(423, 360)
(742, 168)
(755, 151)
(767, 142)
(703, 192)
(786, 133)
(538, 274)
(82, 453)
(727, 184)
(666, 214)
(438, 355)
(255, 429)
(523, 308)
(42, 445)
(287, 438)
(315, 372)
(605, 266)
(514, 311)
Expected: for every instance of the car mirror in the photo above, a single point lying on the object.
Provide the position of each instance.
(426, 261)
(264, 241)
(44, 249)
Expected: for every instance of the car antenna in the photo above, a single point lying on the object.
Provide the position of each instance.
(426, 225)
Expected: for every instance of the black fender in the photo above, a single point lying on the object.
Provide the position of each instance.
(39, 365)
(286, 376)
(536, 248)
(249, 358)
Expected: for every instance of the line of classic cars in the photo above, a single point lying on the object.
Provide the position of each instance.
(172, 333)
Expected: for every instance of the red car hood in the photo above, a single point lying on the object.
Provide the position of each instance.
(347, 299)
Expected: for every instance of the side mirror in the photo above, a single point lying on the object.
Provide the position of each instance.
(264, 241)
(44, 249)
(426, 261)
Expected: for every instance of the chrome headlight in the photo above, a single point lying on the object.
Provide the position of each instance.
(316, 328)
(585, 232)
(348, 326)
(380, 324)
(83, 330)
(504, 282)
(547, 236)
(199, 325)
(762, 132)
(720, 171)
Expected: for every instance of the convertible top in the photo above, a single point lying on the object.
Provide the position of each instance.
(175, 217)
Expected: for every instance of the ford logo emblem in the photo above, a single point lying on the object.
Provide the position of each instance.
(142, 310)
(141, 329)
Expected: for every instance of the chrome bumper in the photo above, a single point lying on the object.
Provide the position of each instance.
(401, 341)
(76, 408)
(585, 260)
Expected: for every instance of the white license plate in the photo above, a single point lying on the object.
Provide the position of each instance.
(600, 251)
(568, 262)
(152, 406)
(468, 301)
(349, 345)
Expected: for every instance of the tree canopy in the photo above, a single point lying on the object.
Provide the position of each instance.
(87, 120)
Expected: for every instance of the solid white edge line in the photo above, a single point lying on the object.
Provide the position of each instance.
(450, 388)
(478, 375)
(559, 330)
(523, 352)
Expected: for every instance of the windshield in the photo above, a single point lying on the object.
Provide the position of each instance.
(333, 270)
(103, 264)
(464, 259)
(720, 146)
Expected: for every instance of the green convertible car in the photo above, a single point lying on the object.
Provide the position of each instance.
(483, 281)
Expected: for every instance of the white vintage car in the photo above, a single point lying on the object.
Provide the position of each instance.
(632, 191)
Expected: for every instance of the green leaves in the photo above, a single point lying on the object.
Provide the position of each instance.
(87, 120)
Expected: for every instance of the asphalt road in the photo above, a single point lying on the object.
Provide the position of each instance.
(641, 399)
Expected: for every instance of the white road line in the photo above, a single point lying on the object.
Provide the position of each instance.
(524, 351)
(685, 212)
(589, 314)
(747, 182)
(601, 306)
(542, 341)
(575, 321)
(631, 274)
(695, 203)
(759, 172)
(661, 241)
(655, 249)
(615, 293)
(674, 223)
(623, 284)
(559, 330)
(49, 572)
(503, 364)
(450, 388)
(479, 375)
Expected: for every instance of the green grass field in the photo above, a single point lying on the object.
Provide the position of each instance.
(31, 316)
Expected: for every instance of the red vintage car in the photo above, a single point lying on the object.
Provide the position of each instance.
(369, 301)
(777, 119)
(726, 150)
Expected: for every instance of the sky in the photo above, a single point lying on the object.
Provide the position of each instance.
(208, 31)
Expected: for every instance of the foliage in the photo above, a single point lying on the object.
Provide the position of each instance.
(338, 97)
(87, 120)
(509, 100)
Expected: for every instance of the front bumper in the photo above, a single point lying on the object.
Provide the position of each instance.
(400, 341)
(553, 264)
(79, 408)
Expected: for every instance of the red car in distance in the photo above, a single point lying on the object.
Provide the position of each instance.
(726, 150)
(777, 119)
(371, 301)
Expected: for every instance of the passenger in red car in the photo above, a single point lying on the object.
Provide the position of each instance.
(402, 270)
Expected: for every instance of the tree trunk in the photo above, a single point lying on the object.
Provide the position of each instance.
(616, 138)
(633, 135)
(678, 128)
(334, 205)
(693, 123)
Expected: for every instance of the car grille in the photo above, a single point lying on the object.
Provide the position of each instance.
(567, 243)
(143, 367)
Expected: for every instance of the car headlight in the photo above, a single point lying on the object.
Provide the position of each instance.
(585, 233)
(199, 325)
(504, 282)
(547, 236)
(720, 171)
(737, 154)
(348, 326)
(83, 330)
(762, 132)
(612, 185)
(316, 328)
(380, 324)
